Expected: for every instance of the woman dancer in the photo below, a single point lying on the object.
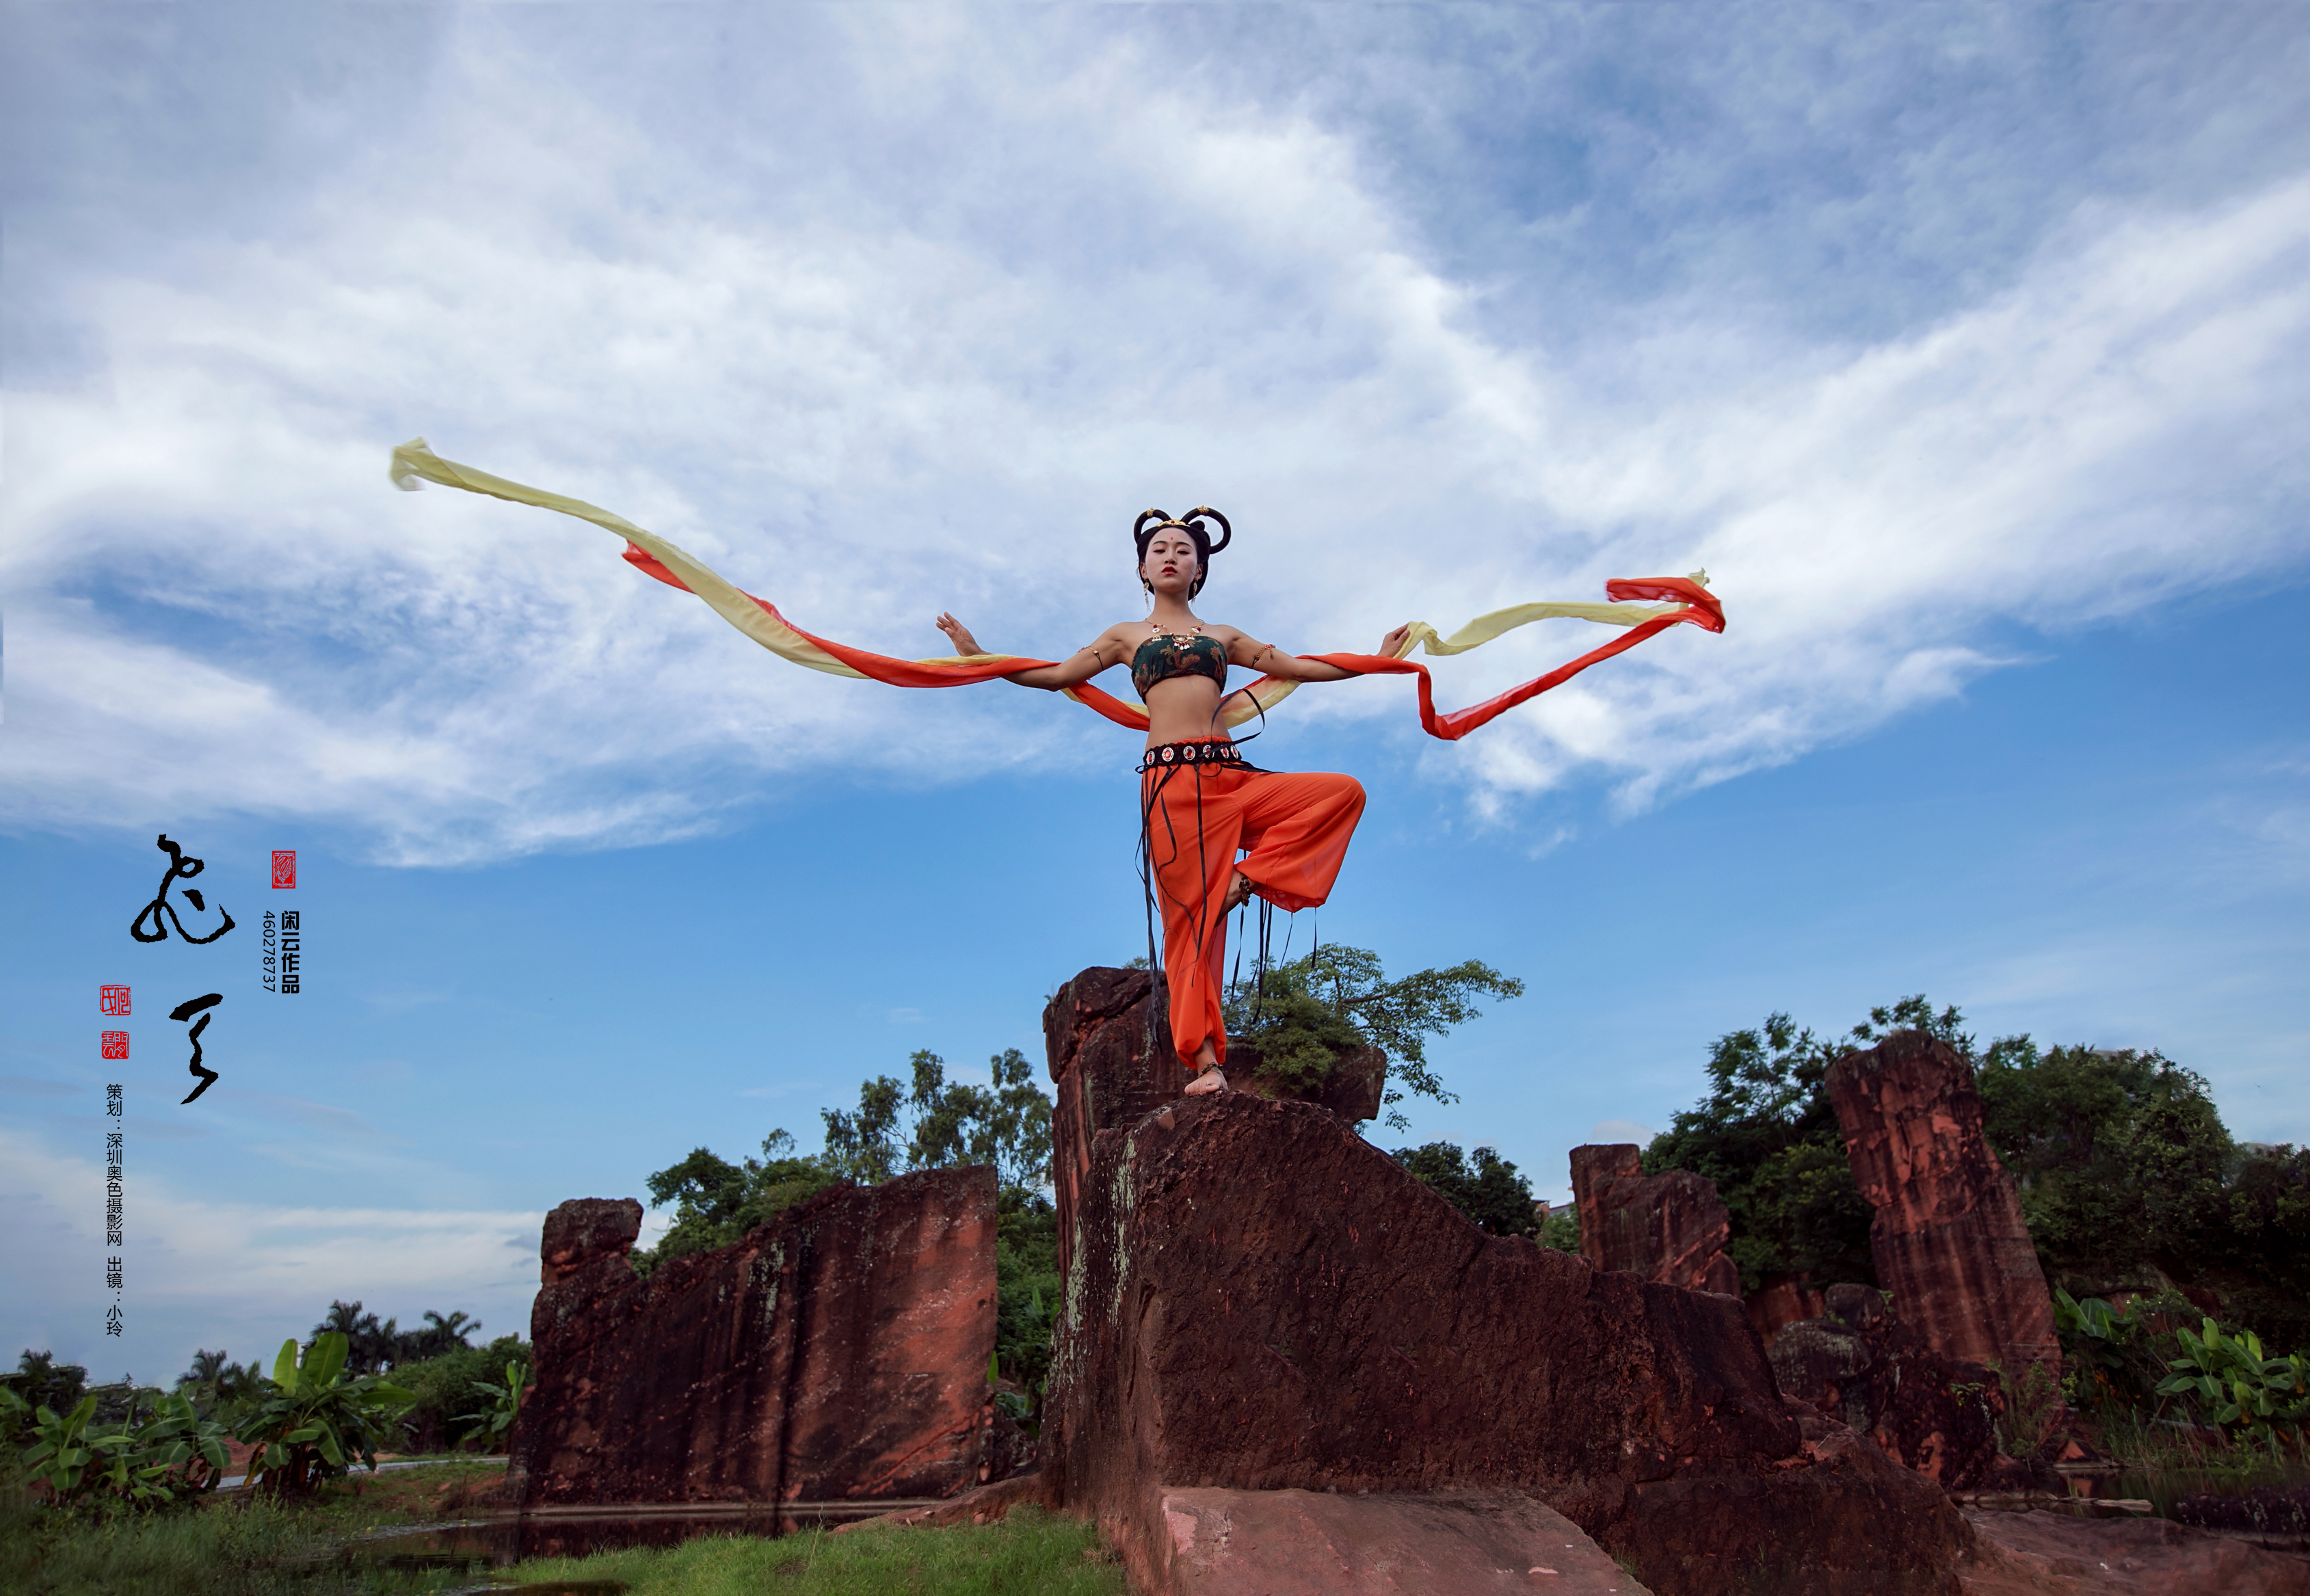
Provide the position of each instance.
(1200, 800)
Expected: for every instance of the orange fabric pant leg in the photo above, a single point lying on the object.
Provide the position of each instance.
(1296, 828)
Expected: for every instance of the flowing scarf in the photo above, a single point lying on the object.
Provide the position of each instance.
(1687, 601)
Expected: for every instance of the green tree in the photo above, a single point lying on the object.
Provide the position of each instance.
(936, 1124)
(932, 1123)
(2120, 1157)
(2127, 1177)
(1767, 1136)
(371, 1346)
(1491, 1193)
(442, 1388)
(42, 1381)
(2130, 1182)
(1297, 1011)
(1560, 1229)
(940, 1124)
(216, 1385)
(315, 1417)
(716, 1203)
(1025, 1293)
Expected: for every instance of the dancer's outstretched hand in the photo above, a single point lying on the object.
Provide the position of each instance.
(958, 635)
(1393, 643)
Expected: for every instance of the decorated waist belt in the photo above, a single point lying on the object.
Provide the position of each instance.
(1207, 751)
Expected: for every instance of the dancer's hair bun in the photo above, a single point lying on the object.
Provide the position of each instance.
(1151, 522)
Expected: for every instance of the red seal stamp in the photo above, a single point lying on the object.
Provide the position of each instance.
(284, 867)
(112, 1000)
(116, 1044)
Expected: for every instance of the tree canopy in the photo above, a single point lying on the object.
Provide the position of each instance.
(2127, 1177)
(938, 1124)
(1767, 1136)
(1491, 1193)
(897, 1128)
(1297, 1011)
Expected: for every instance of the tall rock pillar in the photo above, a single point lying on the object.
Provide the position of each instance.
(1668, 1228)
(1949, 1238)
(1284, 1364)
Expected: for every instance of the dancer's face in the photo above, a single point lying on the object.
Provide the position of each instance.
(1170, 564)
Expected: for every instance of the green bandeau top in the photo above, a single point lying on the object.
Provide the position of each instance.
(1168, 655)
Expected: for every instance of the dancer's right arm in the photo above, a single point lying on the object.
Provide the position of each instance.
(1087, 662)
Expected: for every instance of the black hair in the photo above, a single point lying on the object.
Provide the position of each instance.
(1151, 522)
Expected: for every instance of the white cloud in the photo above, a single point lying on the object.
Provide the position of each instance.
(871, 392)
(201, 1270)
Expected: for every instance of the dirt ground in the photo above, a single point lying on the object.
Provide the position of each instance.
(2051, 1554)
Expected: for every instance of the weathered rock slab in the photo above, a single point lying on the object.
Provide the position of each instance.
(837, 1353)
(1259, 1300)
(584, 1230)
(1934, 1414)
(1310, 1543)
(2050, 1554)
(1110, 1056)
(1948, 1238)
(1670, 1228)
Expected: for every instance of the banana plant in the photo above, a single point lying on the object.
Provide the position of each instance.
(491, 1423)
(2230, 1380)
(60, 1452)
(186, 1448)
(147, 1460)
(311, 1418)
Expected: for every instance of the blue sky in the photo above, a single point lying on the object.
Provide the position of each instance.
(1963, 346)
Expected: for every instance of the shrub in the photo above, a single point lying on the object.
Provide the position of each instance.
(1560, 1229)
(2230, 1382)
(442, 1388)
(1492, 1193)
(313, 1417)
(1296, 1011)
(492, 1422)
(1026, 1297)
(168, 1451)
(44, 1383)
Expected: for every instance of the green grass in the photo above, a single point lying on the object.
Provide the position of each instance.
(1030, 1553)
(2164, 1463)
(223, 1547)
(231, 1547)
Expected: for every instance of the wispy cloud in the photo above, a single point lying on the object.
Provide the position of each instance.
(874, 370)
(245, 1274)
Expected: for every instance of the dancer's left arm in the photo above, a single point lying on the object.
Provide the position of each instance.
(1270, 660)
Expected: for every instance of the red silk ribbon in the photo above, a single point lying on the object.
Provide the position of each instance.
(1701, 609)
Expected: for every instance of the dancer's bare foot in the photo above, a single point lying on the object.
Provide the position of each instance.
(1238, 890)
(1208, 1078)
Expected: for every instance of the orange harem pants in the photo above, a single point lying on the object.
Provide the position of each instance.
(1297, 827)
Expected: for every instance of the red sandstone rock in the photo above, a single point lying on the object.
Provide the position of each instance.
(2051, 1554)
(1669, 1228)
(1111, 1066)
(836, 1353)
(1784, 1299)
(1259, 1300)
(584, 1230)
(1936, 1415)
(1306, 1543)
(1947, 1239)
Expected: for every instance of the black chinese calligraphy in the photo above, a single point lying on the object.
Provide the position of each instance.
(179, 867)
(186, 1011)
